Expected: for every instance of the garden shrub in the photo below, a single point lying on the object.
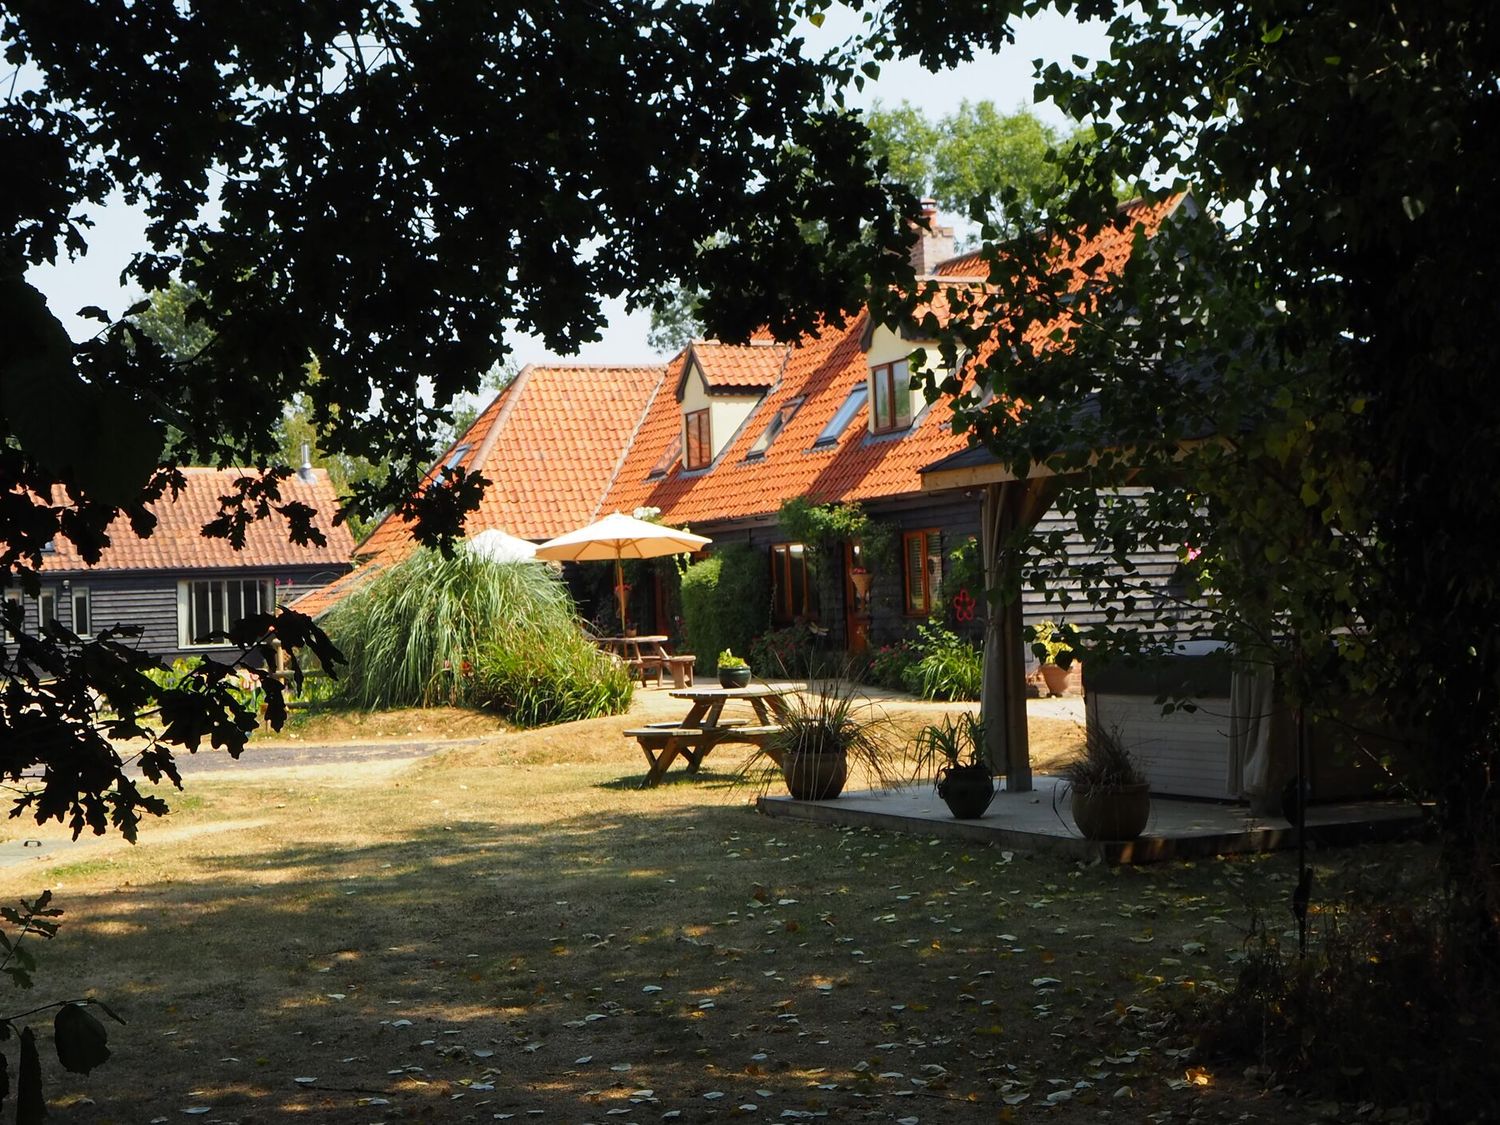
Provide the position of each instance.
(467, 631)
(726, 601)
(889, 664)
(947, 667)
(1385, 1007)
(564, 683)
(795, 651)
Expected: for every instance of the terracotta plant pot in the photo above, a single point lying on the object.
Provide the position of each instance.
(1055, 678)
(734, 677)
(1112, 814)
(966, 790)
(815, 777)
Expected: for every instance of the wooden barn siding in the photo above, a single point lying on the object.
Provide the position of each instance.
(956, 516)
(149, 600)
(1184, 754)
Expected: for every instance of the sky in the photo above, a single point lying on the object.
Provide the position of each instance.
(1004, 78)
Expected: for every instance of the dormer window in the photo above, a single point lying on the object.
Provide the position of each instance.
(697, 442)
(891, 398)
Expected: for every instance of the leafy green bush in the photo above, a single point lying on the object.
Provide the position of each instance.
(890, 664)
(726, 600)
(562, 684)
(948, 666)
(791, 651)
(468, 631)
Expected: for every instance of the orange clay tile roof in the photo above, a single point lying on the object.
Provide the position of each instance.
(822, 370)
(178, 543)
(1113, 243)
(316, 601)
(549, 444)
(728, 366)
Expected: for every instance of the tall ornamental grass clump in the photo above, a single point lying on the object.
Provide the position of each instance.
(470, 632)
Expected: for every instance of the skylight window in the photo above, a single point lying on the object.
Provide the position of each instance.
(452, 463)
(664, 464)
(774, 427)
(840, 421)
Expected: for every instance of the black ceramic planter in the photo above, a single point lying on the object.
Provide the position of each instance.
(966, 790)
(734, 677)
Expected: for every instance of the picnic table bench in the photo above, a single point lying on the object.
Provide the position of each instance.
(704, 728)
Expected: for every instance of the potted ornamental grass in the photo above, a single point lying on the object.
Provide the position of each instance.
(953, 752)
(1110, 796)
(824, 734)
(734, 672)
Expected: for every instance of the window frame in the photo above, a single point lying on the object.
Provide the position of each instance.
(784, 558)
(47, 596)
(858, 396)
(888, 417)
(81, 594)
(187, 607)
(778, 422)
(931, 575)
(702, 420)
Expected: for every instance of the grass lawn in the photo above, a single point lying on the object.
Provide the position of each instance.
(512, 931)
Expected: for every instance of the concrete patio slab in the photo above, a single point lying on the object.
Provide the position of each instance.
(1039, 821)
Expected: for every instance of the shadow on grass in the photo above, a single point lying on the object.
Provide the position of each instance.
(707, 779)
(694, 959)
(557, 967)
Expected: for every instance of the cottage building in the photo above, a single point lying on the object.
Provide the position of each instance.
(721, 436)
(178, 585)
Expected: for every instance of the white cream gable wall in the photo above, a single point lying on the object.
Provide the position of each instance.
(726, 413)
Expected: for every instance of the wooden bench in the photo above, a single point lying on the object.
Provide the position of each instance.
(681, 668)
(662, 743)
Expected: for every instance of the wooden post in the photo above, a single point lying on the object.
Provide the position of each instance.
(1007, 508)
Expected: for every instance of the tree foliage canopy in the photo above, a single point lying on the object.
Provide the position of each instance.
(1298, 359)
(388, 190)
(968, 158)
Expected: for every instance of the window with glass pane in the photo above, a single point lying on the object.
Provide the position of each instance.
(891, 408)
(46, 607)
(858, 395)
(82, 612)
(791, 592)
(699, 451)
(215, 605)
(922, 559)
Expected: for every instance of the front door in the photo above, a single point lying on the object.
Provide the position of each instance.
(856, 598)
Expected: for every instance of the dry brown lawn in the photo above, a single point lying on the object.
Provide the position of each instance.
(511, 930)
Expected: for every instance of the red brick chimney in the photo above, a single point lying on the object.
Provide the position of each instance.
(931, 245)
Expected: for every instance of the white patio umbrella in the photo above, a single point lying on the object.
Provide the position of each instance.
(501, 547)
(620, 537)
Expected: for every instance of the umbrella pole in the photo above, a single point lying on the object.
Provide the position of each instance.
(620, 593)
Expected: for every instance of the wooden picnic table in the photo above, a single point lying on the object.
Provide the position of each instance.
(647, 656)
(705, 727)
